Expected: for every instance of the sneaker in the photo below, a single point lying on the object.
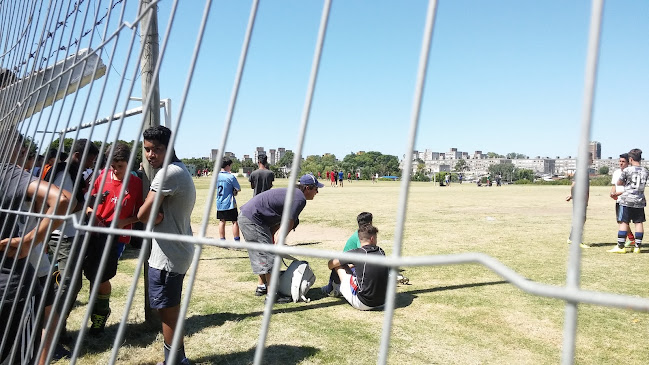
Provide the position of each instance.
(325, 290)
(98, 323)
(260, 291)
(61, 352)
(584, 245)
(569, 241)
(402, 279)
(630, 244)
(617, 249)
(636, 250)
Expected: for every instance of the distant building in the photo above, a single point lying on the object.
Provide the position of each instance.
(214, 152)
(281, 151)
(259, 151)
(271, 156)
(595, 149)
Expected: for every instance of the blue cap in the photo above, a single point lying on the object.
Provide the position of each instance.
(309, 179)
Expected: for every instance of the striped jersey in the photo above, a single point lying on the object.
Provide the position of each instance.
(634, 179)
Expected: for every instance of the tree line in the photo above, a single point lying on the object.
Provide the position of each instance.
(366, 163)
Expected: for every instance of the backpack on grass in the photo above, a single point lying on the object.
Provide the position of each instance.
(296, 281)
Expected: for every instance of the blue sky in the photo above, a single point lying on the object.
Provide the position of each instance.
(504, 76)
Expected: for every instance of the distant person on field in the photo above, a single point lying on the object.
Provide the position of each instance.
(226, 205)
(349, 177)
(261, 216)
(332, 178)
(447, 179)
(341, 177)
(632, 201)
(569, 198)
(262, 178)
(365, 286)
(624, 163)
(169, 259)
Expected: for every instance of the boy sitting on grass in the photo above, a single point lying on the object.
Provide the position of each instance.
(364, 288)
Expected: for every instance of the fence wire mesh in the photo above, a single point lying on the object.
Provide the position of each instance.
(69, 71)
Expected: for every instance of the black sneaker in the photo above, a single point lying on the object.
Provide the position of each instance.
(60, 352)
(98, 323)
(261, 291)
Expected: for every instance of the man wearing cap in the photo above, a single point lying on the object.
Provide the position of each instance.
(260, 218)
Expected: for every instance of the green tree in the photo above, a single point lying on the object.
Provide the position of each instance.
(494, 155)
(503, 169)
(236, 165)
(461, 165)
(603, 170)
(514, 155)
(67, 144)
(420, 175)
(286, 160)
(524, 174)
(249, 164)
(277, 170)
(312, 164)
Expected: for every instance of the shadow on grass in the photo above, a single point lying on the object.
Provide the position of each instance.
(144, 334)
(223, 258)
(603, 244)
(305, 243)
(274, 354)
(455, 287)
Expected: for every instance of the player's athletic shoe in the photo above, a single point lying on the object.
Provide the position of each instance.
(261, 290)
(584, 245)
(333, 291)
(402, 279)
(636, 250)
(98, 323)
(617, 249)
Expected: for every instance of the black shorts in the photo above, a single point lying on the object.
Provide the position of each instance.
(17, 293)
(227, 215)
(617, 210)
(628, 214)
(93, 258)
(165, 288)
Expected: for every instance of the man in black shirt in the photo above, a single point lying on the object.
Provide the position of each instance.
(363, 286)
(262, 178)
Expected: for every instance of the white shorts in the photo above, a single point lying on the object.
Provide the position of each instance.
(349, 289)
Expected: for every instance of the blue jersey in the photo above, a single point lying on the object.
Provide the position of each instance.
(225, 187)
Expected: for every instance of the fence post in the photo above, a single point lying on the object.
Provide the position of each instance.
(151, 115)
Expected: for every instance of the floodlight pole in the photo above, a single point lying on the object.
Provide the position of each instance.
(151, 114)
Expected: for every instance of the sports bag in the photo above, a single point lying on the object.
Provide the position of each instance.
(296, 281)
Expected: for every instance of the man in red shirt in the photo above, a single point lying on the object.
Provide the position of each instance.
(104, 216)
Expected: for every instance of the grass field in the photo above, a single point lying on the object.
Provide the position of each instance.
(447, 315)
